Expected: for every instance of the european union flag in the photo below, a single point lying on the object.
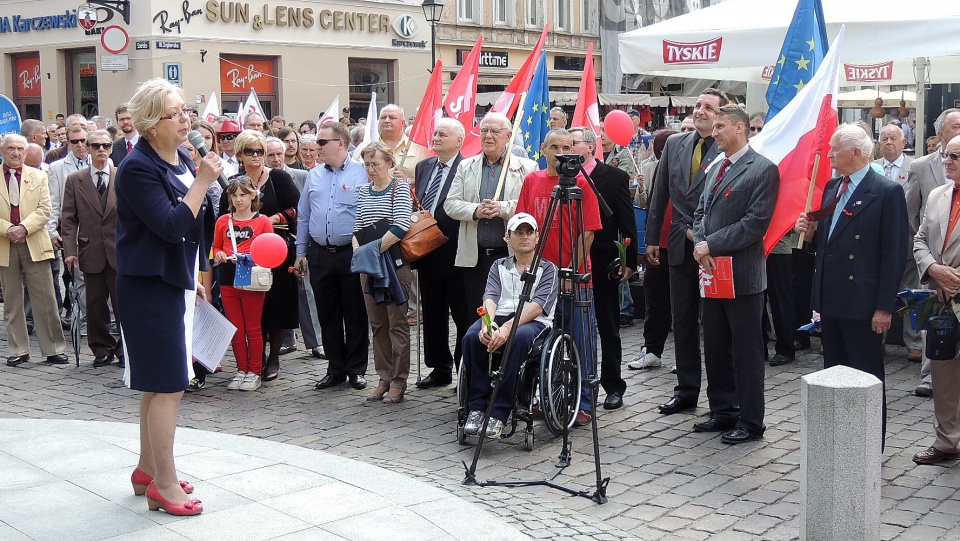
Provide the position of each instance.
(802, 52)
(536, 113)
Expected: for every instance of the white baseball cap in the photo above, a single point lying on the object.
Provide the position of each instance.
(521, 218)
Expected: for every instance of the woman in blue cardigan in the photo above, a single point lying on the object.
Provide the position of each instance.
(164, 232)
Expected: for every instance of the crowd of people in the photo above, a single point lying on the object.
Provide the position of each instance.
(144, 228)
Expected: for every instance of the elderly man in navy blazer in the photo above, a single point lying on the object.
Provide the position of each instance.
(862, 240)
(731, 220)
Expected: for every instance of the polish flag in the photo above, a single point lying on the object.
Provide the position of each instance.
(332, 114)
(371, 134)
(212, 110)
(461, 100)
(587, 112)
(430, 111)
(795, 137)
(252, 105)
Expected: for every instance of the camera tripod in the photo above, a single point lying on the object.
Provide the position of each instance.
(575, 298)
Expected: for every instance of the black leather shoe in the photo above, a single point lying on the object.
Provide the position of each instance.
(271, 370)
(17, 360)
(613, 401)
(358, 382)
(59, 358)
(740, 435)
(102, 360)
(330, 381)
(780, 360)
(434, 380)
(676, 405)
(712, 425)
(122, 361)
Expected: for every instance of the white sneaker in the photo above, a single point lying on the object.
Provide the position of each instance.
(673, 369)
(645, 360)
(236, 381)
(251, 382)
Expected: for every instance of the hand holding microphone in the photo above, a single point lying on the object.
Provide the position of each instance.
(211, 165)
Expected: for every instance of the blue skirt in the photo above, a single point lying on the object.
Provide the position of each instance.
(156, 321)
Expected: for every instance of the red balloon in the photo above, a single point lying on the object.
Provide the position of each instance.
(268, 250)
(619, 127)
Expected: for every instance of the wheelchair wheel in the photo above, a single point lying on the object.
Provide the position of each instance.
(559, 383)
(528, 440)
(463, 393)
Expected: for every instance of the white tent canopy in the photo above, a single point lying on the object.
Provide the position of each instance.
(864, 99)
(738, 39)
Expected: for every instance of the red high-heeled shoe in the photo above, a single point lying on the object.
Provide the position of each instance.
(155, 501)
(139, 479)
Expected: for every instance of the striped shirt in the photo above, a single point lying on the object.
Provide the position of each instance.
(393, 203)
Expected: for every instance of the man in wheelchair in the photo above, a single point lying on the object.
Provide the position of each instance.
(500, 299)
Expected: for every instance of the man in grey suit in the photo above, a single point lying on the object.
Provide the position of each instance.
(895, 166)
(731, 220)
(679, 183)
(923, 176)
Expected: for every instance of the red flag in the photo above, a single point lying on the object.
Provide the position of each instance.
(461, 99)
(509, 99)
(587, 112)
(430, 109)
(795, 137)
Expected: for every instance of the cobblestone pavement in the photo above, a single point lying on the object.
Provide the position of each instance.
(667, 482)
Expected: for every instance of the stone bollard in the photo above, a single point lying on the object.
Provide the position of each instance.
(840, 455)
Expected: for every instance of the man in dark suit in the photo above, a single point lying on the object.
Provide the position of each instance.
(862, 241)
(90, 213)
(443, 291)
(680, 181)
(923, 176)
(613, 185)
(130, 136)
(731, 220)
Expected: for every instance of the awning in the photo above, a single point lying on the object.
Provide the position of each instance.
(864, 99)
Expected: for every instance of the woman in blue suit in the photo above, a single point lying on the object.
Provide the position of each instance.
(164, 231)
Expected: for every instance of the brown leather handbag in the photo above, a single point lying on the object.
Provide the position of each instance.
(424, 235)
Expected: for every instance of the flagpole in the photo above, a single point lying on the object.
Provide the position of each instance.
(507, 151)
(813, 185)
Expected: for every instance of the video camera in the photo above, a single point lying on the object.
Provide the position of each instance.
(568, 165)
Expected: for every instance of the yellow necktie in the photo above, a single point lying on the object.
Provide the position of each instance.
(695, 163)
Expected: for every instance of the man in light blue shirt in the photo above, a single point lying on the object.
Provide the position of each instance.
(325, 218)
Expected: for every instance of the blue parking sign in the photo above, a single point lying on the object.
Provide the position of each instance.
(173, 73)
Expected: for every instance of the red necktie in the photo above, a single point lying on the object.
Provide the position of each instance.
(723, 171)
(827, 210)
(129, 147)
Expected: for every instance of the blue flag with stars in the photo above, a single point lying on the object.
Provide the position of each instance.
(801, 55)
(536, 113)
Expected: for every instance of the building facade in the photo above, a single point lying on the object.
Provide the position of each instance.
(61, 56)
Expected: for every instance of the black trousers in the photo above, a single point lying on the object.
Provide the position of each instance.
(803, 264)
(685, 298)
(606, 301)
(475, 282)
(779, 280)
(734, 356)
(442, 293)
(656, 295)
(341, 312)
(101, 286)
(852, 342)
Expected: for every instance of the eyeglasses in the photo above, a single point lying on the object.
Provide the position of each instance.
(491, 131)
(290, 141)
(77, 141)
(322, 142)
(753, 129)
(954, 156)
(372, 165)
(100, 146)
(227, 136)
(182, 113)
(577, 142)
(253, 152)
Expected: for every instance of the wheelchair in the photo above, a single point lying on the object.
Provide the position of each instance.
(548, 378)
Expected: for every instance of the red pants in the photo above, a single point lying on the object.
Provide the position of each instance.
(244, 309)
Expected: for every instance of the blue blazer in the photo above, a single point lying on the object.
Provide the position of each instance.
(858, 269)
(158, 235)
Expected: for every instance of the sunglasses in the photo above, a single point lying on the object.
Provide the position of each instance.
(322, 142)
(758, 130)
(253, 152)
(100, 146)
(77, 141)
(954, 156)
(227, 136)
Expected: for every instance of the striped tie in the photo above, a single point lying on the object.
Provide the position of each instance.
(434, 188)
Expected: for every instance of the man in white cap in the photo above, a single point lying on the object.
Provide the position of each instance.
(500, 301)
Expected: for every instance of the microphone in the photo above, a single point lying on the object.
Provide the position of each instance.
(196, 139)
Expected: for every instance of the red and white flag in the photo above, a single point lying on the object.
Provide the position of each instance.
(252, 105)
(587, 112)
(792, 140)
(430, 111)
(461, 99)
(212, 110)
(510, 98)
(371, 134)
(332, 114)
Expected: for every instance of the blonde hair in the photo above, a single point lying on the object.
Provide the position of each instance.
(249, 138)
(370, 151)
(146, 107)
(243, 184)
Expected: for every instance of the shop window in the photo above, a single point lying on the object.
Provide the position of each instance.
(81, 78)
(26, 85)
(241, 74)
(371, 75)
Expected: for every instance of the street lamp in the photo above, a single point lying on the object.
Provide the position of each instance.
(432, 10)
